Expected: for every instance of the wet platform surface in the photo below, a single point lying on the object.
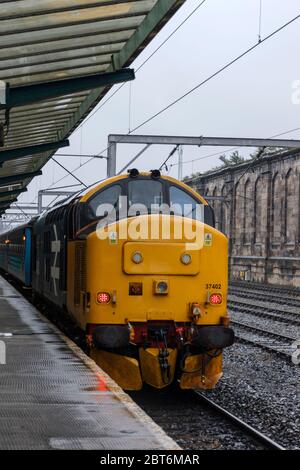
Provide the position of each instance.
(53, 397)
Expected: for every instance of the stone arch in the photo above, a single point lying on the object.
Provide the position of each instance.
(224, 213)
(276, 208)
(289, 207)
(248, 212)
(238, 212)
(258, 212)
(215, 205)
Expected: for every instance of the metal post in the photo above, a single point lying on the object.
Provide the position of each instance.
(180, 155)
(48, 192)
(111, 159)
(40, 200)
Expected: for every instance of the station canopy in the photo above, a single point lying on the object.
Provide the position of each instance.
(51, 42)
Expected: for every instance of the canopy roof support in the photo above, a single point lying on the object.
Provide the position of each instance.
(28, 94)
(19, 152)
(13, 192)
(5, 180)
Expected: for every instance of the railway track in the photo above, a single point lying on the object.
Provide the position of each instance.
(197, 421)
(267, 442)
(266, 339)
(277, 290)
(257, 310)
(284, 297)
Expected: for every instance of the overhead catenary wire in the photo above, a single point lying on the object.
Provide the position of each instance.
(70, 173)
(79, 155)
(255, 159)
(164, 164)
(123, 84)
(134, 158)
(259, 20)
(144, 62)
(210, 77)
(233, 148)
(68, 186)
(202, 83)
(219, 71)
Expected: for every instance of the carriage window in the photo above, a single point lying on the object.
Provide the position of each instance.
(146, 192)
(183, 204)
(107, 196)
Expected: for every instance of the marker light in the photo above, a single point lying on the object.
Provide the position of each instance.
(215, 299)
(186, 258)
(137, 257)
(103, 297)
(161, 287)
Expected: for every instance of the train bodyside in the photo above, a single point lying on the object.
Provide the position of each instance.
(49, 256)
(16, 252)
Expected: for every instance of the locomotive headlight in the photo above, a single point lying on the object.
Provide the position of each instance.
(186, 258)
(137, 257)
(161, 287)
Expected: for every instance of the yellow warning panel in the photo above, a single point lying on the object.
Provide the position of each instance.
(152, 372)
(201, 372)
(122, 369)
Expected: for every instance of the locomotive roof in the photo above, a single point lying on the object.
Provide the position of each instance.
(87, 193)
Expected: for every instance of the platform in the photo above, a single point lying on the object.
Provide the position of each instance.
(55, 397)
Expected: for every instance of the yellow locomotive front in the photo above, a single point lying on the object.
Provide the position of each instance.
(155, 282)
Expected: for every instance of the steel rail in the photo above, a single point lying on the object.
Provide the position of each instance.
(263, 291)
(261, 287)
(263, 331)
(264, 312)
(271, 298)
(259, 436)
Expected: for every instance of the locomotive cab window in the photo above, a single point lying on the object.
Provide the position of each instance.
(145, 192)
(99, 204)
(144, 196)
(182, 203)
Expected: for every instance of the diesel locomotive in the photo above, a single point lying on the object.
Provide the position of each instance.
(138, 265)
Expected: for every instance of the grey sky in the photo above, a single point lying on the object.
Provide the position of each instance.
(251, 99)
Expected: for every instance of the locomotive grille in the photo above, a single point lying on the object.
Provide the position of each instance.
(80, 271)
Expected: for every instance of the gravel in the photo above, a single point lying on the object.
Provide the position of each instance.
(191, 423)
(263, 390)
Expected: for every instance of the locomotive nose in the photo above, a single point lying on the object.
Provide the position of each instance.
(160, 258)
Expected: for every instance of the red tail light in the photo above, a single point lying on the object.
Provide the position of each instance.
(103, 297)
(215, 299)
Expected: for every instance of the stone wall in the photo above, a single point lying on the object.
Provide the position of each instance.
(260, 215)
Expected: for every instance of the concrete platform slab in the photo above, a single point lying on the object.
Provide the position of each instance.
(53, 396)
